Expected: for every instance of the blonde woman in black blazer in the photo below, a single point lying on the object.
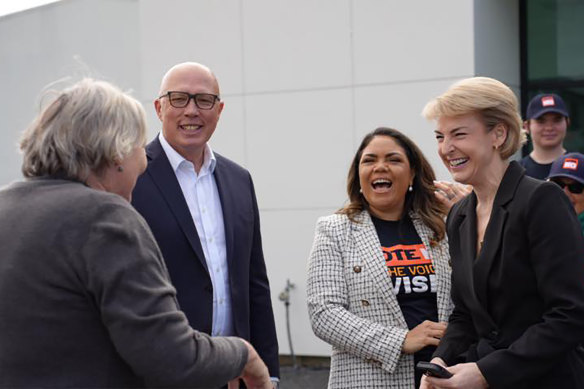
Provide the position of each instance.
(517, 254)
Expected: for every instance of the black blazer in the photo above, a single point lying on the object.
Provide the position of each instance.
(519, 305)
(158, 197)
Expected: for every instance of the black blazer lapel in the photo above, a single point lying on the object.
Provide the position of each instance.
(467, 232)
(228, 203)
(163, 176)
(495, 230)
(487, 256)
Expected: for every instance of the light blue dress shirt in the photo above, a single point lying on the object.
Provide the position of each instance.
(202, 197)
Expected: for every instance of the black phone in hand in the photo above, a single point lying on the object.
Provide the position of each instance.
(433, 370)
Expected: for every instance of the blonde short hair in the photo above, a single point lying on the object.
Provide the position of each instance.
(494, 101)
(88, 126)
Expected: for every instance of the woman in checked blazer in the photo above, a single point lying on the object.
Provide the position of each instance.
(379, 273)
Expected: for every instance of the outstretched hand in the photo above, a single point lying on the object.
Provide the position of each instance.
(255, 373)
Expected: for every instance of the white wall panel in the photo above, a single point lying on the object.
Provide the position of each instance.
(21, 78)
(71, 39)
(497, 48)
(398, 40)
(205, 31)
(153, 123)
(299, 147)
(290, 45)
(229, 138)
(288, 237)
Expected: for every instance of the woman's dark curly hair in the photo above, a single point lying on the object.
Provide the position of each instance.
(421, 200)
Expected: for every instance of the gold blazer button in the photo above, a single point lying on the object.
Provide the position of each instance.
(373, 361)
(365, 303)
(357, 269)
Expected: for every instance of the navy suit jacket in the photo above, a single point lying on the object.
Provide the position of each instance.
(159, 198)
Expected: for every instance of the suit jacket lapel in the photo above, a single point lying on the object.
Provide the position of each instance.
(226, 193)
(164, 178)
(495, 229)
(487, 256)
(467, 232)
(369, 248)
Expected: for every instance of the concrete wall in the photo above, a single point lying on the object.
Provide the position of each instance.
(71, 38)
(302, 81)
(497, 41)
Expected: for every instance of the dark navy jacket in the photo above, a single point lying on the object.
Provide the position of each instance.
(158, 197)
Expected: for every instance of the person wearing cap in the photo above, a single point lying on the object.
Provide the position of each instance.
(568, 172)
(547, 121)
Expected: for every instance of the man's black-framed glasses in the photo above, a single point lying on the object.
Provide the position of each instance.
(182, 99)
(574, 187)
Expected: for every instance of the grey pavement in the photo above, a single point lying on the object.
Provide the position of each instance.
(303, 377)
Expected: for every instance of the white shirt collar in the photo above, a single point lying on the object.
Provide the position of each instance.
(175, 159)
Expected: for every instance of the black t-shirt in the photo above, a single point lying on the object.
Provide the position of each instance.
(534, 169)
(412, 275)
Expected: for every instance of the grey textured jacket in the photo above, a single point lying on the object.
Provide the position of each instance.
(352, 305)
(86, 300)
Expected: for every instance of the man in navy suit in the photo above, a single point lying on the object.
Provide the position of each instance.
(203, 212)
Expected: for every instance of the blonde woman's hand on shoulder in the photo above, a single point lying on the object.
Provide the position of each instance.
(449, 193)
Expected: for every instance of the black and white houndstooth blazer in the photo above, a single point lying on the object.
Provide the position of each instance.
(352, 306)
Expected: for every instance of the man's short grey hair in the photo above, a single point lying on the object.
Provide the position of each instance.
(88, 126)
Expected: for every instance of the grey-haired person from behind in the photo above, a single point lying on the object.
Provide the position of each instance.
(87, 301)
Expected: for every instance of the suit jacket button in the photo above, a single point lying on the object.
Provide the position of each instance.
(357, 269)
(365, 303)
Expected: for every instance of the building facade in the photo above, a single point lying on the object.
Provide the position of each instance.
(302, 82)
